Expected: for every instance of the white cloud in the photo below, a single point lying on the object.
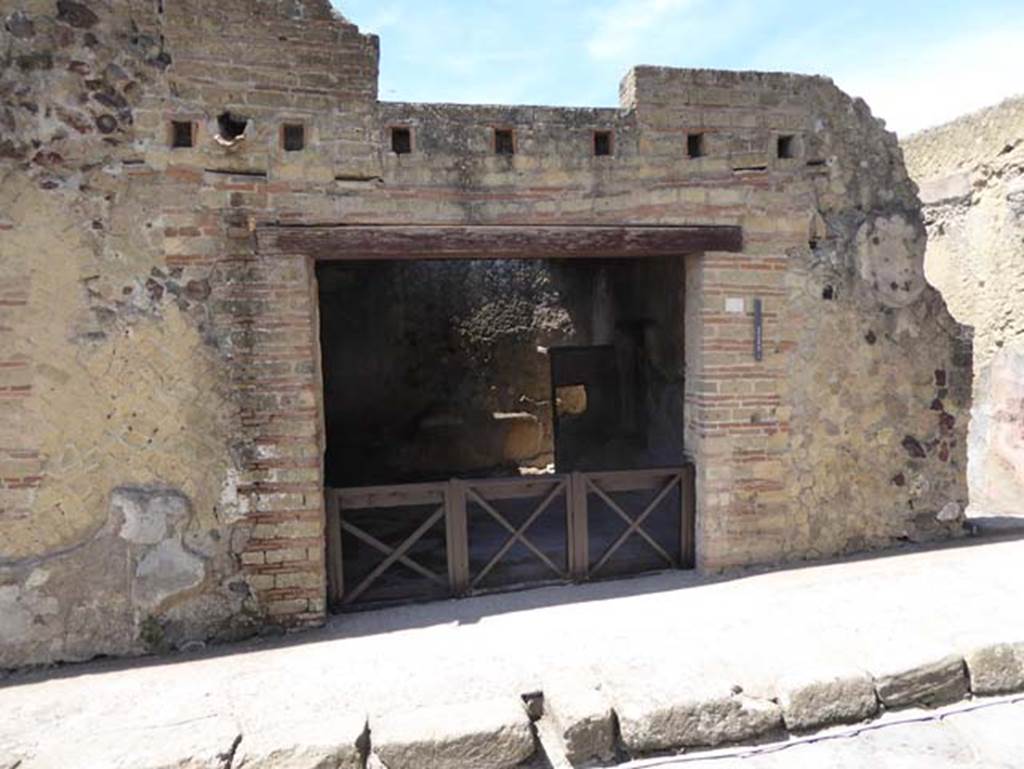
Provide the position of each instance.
(940, 81)
(380, 19)
(621, 27)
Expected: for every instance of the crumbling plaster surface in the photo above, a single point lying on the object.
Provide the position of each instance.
(110, 382)
(971, 175)
(873, 359)
(866, 343)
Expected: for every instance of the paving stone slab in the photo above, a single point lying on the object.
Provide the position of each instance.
(199, 743)
(494, 734)
(930, 684)
(817, 698)
(996, 668)
(994, 732)
(297, 723)
(926, 745)
(583, 718)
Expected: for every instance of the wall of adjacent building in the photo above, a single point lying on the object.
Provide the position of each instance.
(971, 176)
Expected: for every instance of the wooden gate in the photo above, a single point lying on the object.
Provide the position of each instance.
(414, 542)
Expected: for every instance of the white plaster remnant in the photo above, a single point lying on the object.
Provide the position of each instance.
(15, 619)
(164, 571)
(19, 610)
(148, 516)
(950, 513)
(233, 507)
(37, 579)
(890, 258)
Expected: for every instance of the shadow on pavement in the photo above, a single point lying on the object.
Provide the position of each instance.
(984, 531)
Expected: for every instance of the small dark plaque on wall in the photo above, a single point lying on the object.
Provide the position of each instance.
(758, 330)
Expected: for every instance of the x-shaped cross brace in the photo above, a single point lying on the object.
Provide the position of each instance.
(634, 524)
(517, 534)
(394, 555)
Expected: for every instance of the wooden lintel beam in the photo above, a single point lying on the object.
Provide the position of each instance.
(334, 243)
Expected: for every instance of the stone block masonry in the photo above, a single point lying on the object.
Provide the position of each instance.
(152, 352)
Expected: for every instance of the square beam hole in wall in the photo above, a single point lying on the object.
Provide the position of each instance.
(232, 126)
(183, 134)
(504, 141)
(696, 145)
(401, 141)
(786, 146)
(293, 137)
(602, 143)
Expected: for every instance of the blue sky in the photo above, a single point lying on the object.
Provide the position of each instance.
(917, 63)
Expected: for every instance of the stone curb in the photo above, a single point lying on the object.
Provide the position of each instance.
(495, 734)
(996, 669)
(930, 685)
(583, 720)
(593, 725)
(707, 719)
(649, 725)
(832, 697)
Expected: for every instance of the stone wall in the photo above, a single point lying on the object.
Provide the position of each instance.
(971, 175)
(161, 443)
(127, 292)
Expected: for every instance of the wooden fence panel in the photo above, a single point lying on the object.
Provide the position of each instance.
(408, 542)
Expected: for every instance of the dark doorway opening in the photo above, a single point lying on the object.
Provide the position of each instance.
(442, 369)
(475, 408)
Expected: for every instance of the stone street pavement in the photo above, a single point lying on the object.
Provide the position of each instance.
(682, 660)
(985, 734)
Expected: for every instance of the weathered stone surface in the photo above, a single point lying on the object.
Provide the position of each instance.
(481, 735)
(145, 343)
(207, 741)
(818, 699)
(956, 186)
(890, 259)
(583, 718)
(20, 25)
(76, 14)
(993, 735)
(931, 684)
(654, 716)
(951, 512)
(276, 740)
(996, 668)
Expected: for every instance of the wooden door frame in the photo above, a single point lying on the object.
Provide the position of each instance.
(361, 242)
(316, 243)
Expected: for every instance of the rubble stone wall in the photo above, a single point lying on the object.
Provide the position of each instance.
(971, 175)
(161, 437)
